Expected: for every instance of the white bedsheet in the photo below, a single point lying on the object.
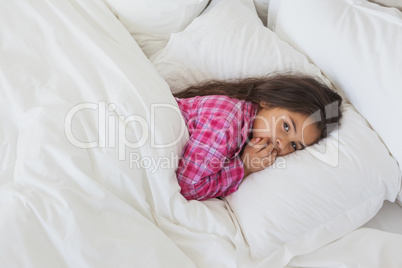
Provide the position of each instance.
(363, 248)
(69, 63)
(376, 244)
(388, 219)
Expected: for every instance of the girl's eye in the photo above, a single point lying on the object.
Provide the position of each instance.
(286, 126)
(293, 145)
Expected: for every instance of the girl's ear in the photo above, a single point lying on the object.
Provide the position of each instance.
(264, 104)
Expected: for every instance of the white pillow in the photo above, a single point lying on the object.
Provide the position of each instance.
(317, 199)
(151, 22)
(236, 46)
(304, 202)
(262, 10)
(389, 3)
(362, 55)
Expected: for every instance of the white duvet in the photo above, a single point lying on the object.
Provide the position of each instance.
(72, 194)
(89, 138)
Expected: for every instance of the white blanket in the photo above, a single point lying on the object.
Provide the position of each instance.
(75, 189)
(84, 181)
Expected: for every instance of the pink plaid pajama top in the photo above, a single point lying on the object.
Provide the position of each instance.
(210, 164)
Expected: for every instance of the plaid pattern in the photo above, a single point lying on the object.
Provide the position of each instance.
(219, 126)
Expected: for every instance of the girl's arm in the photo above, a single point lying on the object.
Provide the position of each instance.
(209, 166)
(205, 171)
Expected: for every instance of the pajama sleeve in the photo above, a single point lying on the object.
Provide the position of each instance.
(205, 170)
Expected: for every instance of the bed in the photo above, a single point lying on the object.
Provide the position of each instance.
(91, 134)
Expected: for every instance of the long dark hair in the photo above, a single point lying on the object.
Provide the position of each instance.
(298, 93)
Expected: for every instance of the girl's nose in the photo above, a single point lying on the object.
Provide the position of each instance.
(278, 144)
(282, 146)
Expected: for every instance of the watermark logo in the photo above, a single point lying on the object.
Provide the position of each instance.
(112, 128)
(327, 150)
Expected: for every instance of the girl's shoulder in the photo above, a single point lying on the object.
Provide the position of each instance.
(219, 100)
(213, 101)
(216, 105)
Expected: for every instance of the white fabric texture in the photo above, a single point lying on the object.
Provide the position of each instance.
(284, 212)
(361, 54)
(388, 219)
(89, 135)
(305, 201)
(361, 248)
(262, 10)
(238, 45)
(71, 65)
(389, 3)
(151, 22)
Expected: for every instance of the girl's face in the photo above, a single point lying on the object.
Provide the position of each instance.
(288, 131)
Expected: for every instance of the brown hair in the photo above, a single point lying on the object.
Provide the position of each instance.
(295, 92)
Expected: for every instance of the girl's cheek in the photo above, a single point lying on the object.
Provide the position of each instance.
(283, 152)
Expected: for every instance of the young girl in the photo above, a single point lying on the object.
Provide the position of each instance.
(237, 128)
